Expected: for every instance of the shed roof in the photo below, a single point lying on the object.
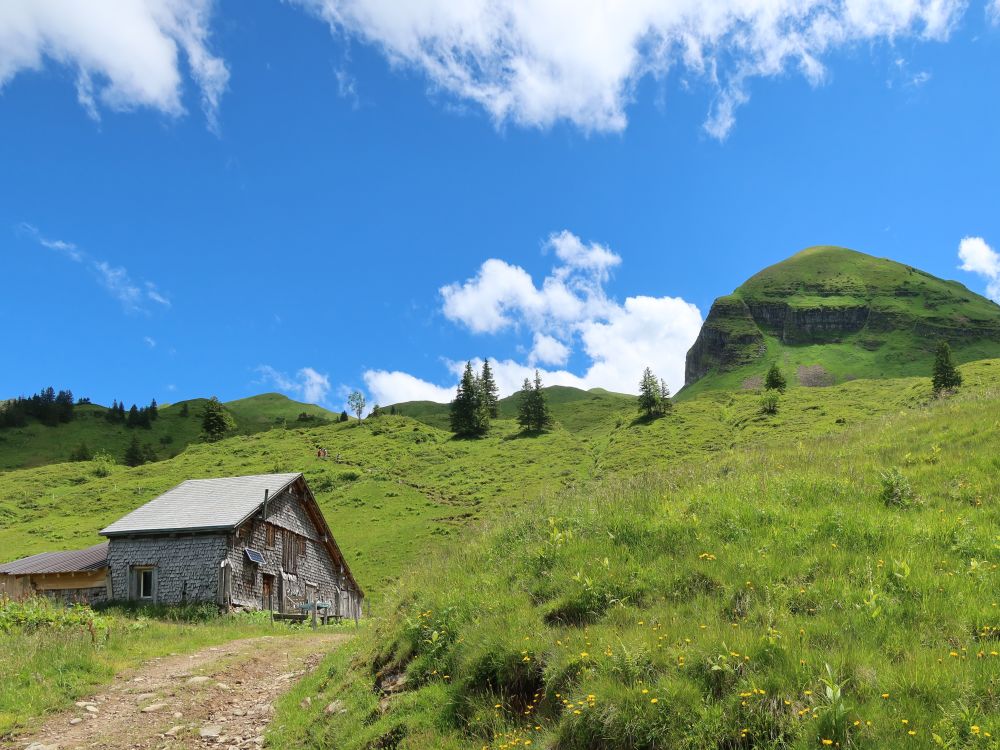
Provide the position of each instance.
(202, 505)
(72, 561)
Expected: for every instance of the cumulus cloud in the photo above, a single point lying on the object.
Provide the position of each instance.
(568, 311)
(537, 62)
(979, 258)
(124, 53)
(548, 350)
(393, 387)
(306, 385)
(134, 296)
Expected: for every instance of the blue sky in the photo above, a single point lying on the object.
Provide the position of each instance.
(228, 198)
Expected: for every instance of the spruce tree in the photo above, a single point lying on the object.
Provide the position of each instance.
(946, 376)
(133, 417)
(185, 411)
(343, 416)
(543, 417)
(154, 410)
(666, 404)
(469, 415)
(775, 380)
(533, 410)
(649, 394)
(490, 391)
(215, 420)
(524, 405)
(134, 454)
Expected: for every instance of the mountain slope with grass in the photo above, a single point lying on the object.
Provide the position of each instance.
(827, 590)
(574, 408)
(178, 426)
(828, 314)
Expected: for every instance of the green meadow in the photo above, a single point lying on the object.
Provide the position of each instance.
(715, 578)
(828, 589)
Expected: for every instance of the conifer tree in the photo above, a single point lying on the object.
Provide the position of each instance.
(215, 420)
(524, 405)
(540, 411)
(533, 410)
(185, 411)
(469, 415)
(343, 416)
(133, 417)
(490, 391)
(775, 380)
(154, 410)
(946, 376)
(649, 394)
(134, 455)
(666, 404)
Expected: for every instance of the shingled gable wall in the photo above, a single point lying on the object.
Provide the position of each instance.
(287, 511)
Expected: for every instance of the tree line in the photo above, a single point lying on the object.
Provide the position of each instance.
(136, 416)
(47, 406)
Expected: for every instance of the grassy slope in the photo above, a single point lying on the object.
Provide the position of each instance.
(38, 445)
(698, 608)
(395, 487)
(829, 278)
(575, 409)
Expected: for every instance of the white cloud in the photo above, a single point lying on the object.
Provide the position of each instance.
(537, 62)
(115, 279)
(394, 387)
(569, 308)
(547, 350)
(307, 385)
(993, 11)
(502, 293)
(979, 258)
(124, 53)
(150, 341)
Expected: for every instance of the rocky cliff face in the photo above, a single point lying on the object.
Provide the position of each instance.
(729, 338)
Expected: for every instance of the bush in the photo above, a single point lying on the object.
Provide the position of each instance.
(896, 491)
(103, 464)
(769, 403)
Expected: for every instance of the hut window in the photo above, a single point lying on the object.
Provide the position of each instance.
(269, 535)
(289, 558)
(145, 583)
(302, 546)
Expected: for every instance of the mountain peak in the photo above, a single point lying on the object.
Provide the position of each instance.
(845, 312)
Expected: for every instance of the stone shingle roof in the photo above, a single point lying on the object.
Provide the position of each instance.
(202, 505)
(73, 561)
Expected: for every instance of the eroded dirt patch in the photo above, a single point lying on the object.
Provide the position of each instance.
(221, 696)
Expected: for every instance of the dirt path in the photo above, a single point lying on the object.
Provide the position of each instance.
(222, 696)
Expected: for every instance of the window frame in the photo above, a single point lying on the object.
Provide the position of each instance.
(140, 577)
(269, 535)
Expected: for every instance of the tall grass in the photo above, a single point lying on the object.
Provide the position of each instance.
(771, 597)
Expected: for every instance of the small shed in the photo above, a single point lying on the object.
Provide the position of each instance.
(70, 576)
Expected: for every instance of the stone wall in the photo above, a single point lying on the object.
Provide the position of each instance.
(287, 511)
(186, 566)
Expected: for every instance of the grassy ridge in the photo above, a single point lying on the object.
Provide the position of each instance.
(770, 597)
(38, 445)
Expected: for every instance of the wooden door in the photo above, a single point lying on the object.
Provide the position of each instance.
(268, 592)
